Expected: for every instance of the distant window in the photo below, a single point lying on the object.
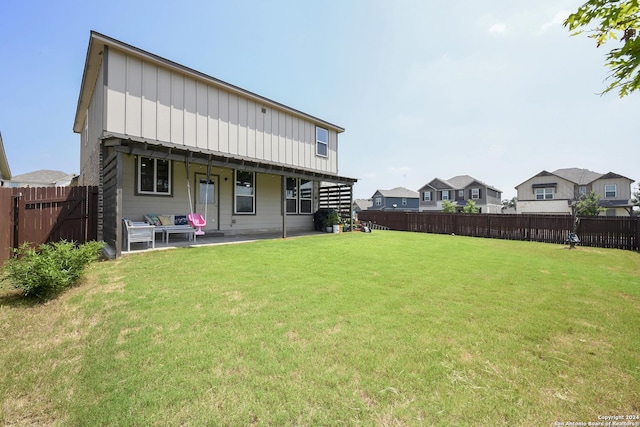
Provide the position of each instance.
(461, 194)
(245, 194)
(154, 176)
(582, 190)
(322, 142)
(610, 190)
(475, 193)
(427, 196)
(445, 195)
(378, 201)
(544, 193)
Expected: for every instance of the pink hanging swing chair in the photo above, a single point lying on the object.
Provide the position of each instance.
(196, 220)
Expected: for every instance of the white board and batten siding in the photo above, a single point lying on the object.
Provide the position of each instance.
(148, 100)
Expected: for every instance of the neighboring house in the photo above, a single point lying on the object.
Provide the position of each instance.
(459, 190)
(360, 205)
(42, 178)
(161, 138)
(397, 199)
(554, 192)
(5, 172)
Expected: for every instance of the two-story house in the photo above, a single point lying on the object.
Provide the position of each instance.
(459, 190)
(555, 192)
(397, 199)
(159, 137)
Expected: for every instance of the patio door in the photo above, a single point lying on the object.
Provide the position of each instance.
(207, 197)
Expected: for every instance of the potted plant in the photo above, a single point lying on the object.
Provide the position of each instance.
(332, 221)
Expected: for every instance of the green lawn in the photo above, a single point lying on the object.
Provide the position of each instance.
(386, 328)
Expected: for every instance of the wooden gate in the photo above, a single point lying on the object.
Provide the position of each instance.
(47, 214)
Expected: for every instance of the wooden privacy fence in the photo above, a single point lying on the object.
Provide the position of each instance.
(603, 232)
(46, 214)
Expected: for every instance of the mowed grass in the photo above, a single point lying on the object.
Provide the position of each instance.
(386, 328)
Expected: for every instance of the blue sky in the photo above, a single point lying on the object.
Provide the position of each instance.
(496, 90)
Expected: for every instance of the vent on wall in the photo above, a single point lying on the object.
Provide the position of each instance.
(264, 110)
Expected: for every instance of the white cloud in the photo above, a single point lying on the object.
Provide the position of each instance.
(558, 19)
(498, 28)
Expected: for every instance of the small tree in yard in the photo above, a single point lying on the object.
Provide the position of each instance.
(448, 206)
(470, 207)
(589, 204)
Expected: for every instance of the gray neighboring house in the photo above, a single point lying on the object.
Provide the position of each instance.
(5, 172)
(360, 205)
(553, 192)
(42, 178)
(398, 199)
(459, 190)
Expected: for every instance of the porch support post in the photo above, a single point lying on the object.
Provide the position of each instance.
(284, 207)
(350, 208)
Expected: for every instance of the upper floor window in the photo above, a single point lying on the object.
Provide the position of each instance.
(427, 196)
(322, 142)
(544, 193)
(475, 193)
(445, 195)
(582, 190)
(610, 190)
(378, 201)
(154, 176)
(245, 193)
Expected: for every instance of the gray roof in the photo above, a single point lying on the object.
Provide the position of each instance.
(399, 192)
(363, 204)
(43, 176)
(577, 176)
(460, 182)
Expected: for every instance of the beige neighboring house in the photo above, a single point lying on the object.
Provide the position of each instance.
(5, 171)
(459, 190)
(43, 178)
(554, 192)
(162, 138)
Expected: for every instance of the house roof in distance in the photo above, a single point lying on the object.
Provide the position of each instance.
(43, 176)
(399, 192)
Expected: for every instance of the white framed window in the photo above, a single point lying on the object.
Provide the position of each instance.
(610, 190)
(306, 196)
(545, 193)
(427, 196)
(461, 194)
(378, 201)
(445, 195)
(244, 193)
(322, 142)
(475, 193)
(582, 190)
(154, 176)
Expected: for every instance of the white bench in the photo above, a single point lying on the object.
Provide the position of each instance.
(136, 232)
